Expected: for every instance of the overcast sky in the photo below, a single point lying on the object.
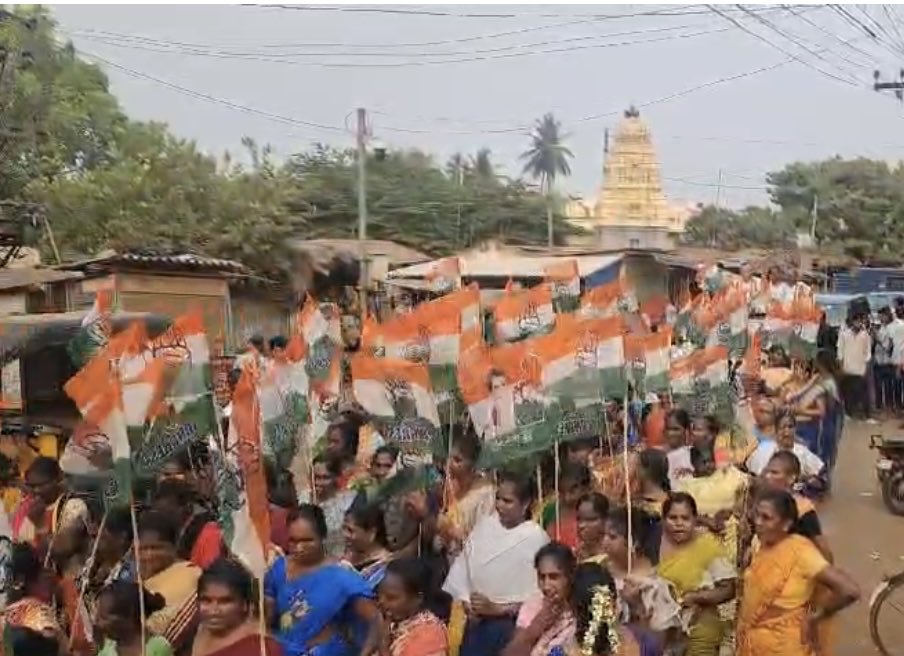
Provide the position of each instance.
(447, 83)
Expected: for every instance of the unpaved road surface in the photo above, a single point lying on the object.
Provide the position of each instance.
(867, 540)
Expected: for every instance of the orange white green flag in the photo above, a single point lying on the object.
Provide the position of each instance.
(649, 359)
(398, 395)
(321, 333)
(524, 313)
(95, 330)
(584, 359)
(97, 392)
(602, 301)
(282, 391)
(527, 414)
(445, 275)
(565, 280)
(241, 485)
(192, 413)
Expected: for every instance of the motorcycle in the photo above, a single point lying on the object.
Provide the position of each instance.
(890, 470)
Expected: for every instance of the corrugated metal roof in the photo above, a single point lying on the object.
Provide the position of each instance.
(28, 276)
(497, 264)
(182, 261)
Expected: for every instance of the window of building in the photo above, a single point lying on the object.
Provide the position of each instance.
(634, 242)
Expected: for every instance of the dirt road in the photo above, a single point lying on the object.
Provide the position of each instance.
(867, 540)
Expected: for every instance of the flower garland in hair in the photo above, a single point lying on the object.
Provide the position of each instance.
(601, 610)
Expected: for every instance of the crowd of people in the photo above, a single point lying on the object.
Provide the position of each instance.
(703, 544)
(670, 534)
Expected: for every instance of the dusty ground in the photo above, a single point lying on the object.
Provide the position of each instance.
(867, 540)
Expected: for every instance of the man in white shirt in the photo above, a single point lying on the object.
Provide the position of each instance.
(854, 354)
(884, 369)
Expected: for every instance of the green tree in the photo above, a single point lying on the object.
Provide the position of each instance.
(411, 201)
(58, 115)
(546, 159)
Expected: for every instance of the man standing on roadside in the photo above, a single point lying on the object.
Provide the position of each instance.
(854, 354)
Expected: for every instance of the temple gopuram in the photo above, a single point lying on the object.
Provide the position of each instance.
(631, 210)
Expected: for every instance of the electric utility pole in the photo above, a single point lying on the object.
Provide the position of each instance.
(363, 279)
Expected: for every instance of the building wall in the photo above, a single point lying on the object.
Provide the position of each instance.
(14, 302)
(627, 237)
(173, 296)
(255, 316)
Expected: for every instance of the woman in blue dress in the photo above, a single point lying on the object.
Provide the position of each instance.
(315, 605)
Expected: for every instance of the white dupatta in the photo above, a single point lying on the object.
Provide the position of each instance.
(497, 562)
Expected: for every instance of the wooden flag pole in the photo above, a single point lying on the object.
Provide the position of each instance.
(136, 547)
(627, 485)
(262, 620)
(558, 474)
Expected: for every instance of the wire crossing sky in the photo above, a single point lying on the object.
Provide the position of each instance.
(741, 88)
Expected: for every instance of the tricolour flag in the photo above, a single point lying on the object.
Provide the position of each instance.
(805, 319)
(321, 334)
(602, 301)
(565, 280)
(97, 392)
(445, 275)
(244, 515)
(585, 359)
(648, 359)
(189, 398)
(397, 393)
(524, 313)
(282, 392)
(95, 329)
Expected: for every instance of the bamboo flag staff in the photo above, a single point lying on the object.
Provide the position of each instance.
(627, 476)
(136, 546)
(558, 474)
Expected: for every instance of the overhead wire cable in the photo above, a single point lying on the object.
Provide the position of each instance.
(795, 40)
(437, 62)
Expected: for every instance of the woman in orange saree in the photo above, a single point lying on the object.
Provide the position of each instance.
(776, 616)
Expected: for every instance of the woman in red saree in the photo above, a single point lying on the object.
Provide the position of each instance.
(227, 625)
(776, 615)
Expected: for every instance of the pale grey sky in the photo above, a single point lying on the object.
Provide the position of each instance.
(447, 83)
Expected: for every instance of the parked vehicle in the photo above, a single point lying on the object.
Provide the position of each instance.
(890, 471)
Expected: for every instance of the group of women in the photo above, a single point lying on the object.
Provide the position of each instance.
(686, 553)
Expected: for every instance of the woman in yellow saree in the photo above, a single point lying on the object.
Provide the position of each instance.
(696, 565)
(175, 580)
(776, 616)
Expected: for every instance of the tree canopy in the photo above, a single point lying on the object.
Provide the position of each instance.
(106, 181)
(853, 207)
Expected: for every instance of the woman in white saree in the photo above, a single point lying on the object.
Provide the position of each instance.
(491, 575)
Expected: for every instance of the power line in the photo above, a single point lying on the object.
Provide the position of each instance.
(799, 42)
(214, 99)
(721, 185)
(419, 62)
(793, 56)
(829, 33)
(682, 10)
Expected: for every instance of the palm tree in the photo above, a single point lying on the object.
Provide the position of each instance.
(456, 167)
(546, 159)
